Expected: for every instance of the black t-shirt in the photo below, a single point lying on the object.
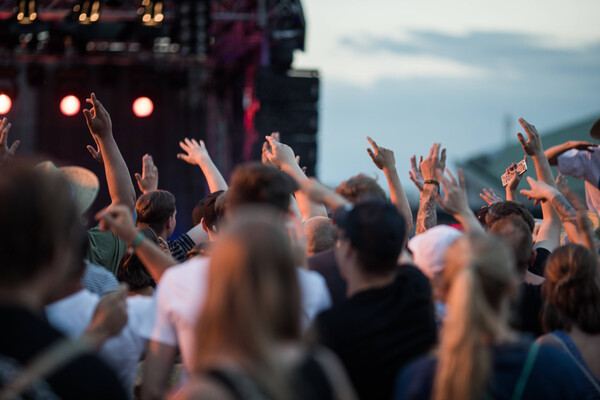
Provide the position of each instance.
(376, 332)
(25, 335)
(526, 310)
(539, 265)
(325, 264)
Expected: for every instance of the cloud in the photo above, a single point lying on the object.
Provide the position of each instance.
(501, 54)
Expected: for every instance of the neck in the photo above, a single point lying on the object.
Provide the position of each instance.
(359, 281)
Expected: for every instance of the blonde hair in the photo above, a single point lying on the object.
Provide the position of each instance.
(253, 296)
(475, 320)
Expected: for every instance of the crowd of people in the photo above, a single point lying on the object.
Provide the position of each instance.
(287, 289)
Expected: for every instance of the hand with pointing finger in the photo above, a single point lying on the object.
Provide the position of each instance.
(382, 157)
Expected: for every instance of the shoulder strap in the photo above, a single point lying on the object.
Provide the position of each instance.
(239, 385)
(527, 367)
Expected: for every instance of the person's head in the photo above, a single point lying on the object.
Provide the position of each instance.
(133, 272)
(197, 212)
(360, 187)
(509, 209)
(571, 290)
(253, 296)
(517, 235)
(256, 183)
(156, 210)
(595, 130)
(41, 239)
(371, 235)
(429, 250)
(477, 316)
(320, 235)
(213, 212)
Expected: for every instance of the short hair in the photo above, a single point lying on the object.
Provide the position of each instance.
(595, 130)
(131, 269)
(360, 187)
(571, 290)
(256, 183)
(320, 234)
(154, 208)
(503, 209)
(213, 209)
(516, 234)
(39, 219)
(198, 212)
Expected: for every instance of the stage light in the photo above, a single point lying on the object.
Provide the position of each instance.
(86, 11)
(5, 103)
(69, 105)
(26, 11)
(142, 107)
(152, 12)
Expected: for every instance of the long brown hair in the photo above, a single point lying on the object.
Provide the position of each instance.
(253, 295)
(475, 320)
(572, 290)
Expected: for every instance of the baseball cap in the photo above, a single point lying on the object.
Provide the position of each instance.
(374, 227)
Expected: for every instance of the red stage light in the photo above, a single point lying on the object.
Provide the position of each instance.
(5, 103)
(69, 105)
(143, 107)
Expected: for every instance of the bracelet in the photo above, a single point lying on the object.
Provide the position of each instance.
(432, 182)
(138, 239)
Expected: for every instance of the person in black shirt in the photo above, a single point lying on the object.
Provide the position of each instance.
(388, 318)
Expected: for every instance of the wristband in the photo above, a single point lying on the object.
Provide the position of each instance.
(138, 239)
(432, 182)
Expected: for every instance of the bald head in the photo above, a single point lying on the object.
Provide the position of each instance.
(320, 235)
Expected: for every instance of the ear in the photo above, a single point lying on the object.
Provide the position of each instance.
(203, 224)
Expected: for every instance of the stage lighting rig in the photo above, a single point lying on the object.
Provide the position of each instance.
(152, 12)
(87, 12)
(26, 11)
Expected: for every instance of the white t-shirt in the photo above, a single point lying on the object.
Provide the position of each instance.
(73, 314)
(182, 291)
(582, 164)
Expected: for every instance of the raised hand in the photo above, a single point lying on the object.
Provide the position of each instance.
(583, 145)
(433, 162)
(196, 152)
(119, 220)
(454, 201)
(382, 157)
(490, 197)
(6, 152)
(540, 191)
(279, 154)
(263, 157)
(533, 145)
(148, 181)
(415, 174)
(97, 118)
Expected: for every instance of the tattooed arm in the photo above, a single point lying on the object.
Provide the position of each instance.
(425, 177)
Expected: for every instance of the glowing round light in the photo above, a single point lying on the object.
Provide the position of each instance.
(5, 104)
(69, 105)
(142, 107)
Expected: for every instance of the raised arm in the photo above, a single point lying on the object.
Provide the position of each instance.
(6, 152)
(553, 152)
(118, 179)
(119, 220)
(542, 192)
(384, 160)
(282, 156)
(148, 180)
(513, 183)
(549, 234)
(425, 178)
(196, 153)
(455, 201)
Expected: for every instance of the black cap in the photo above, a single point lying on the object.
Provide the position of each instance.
(374, 227)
